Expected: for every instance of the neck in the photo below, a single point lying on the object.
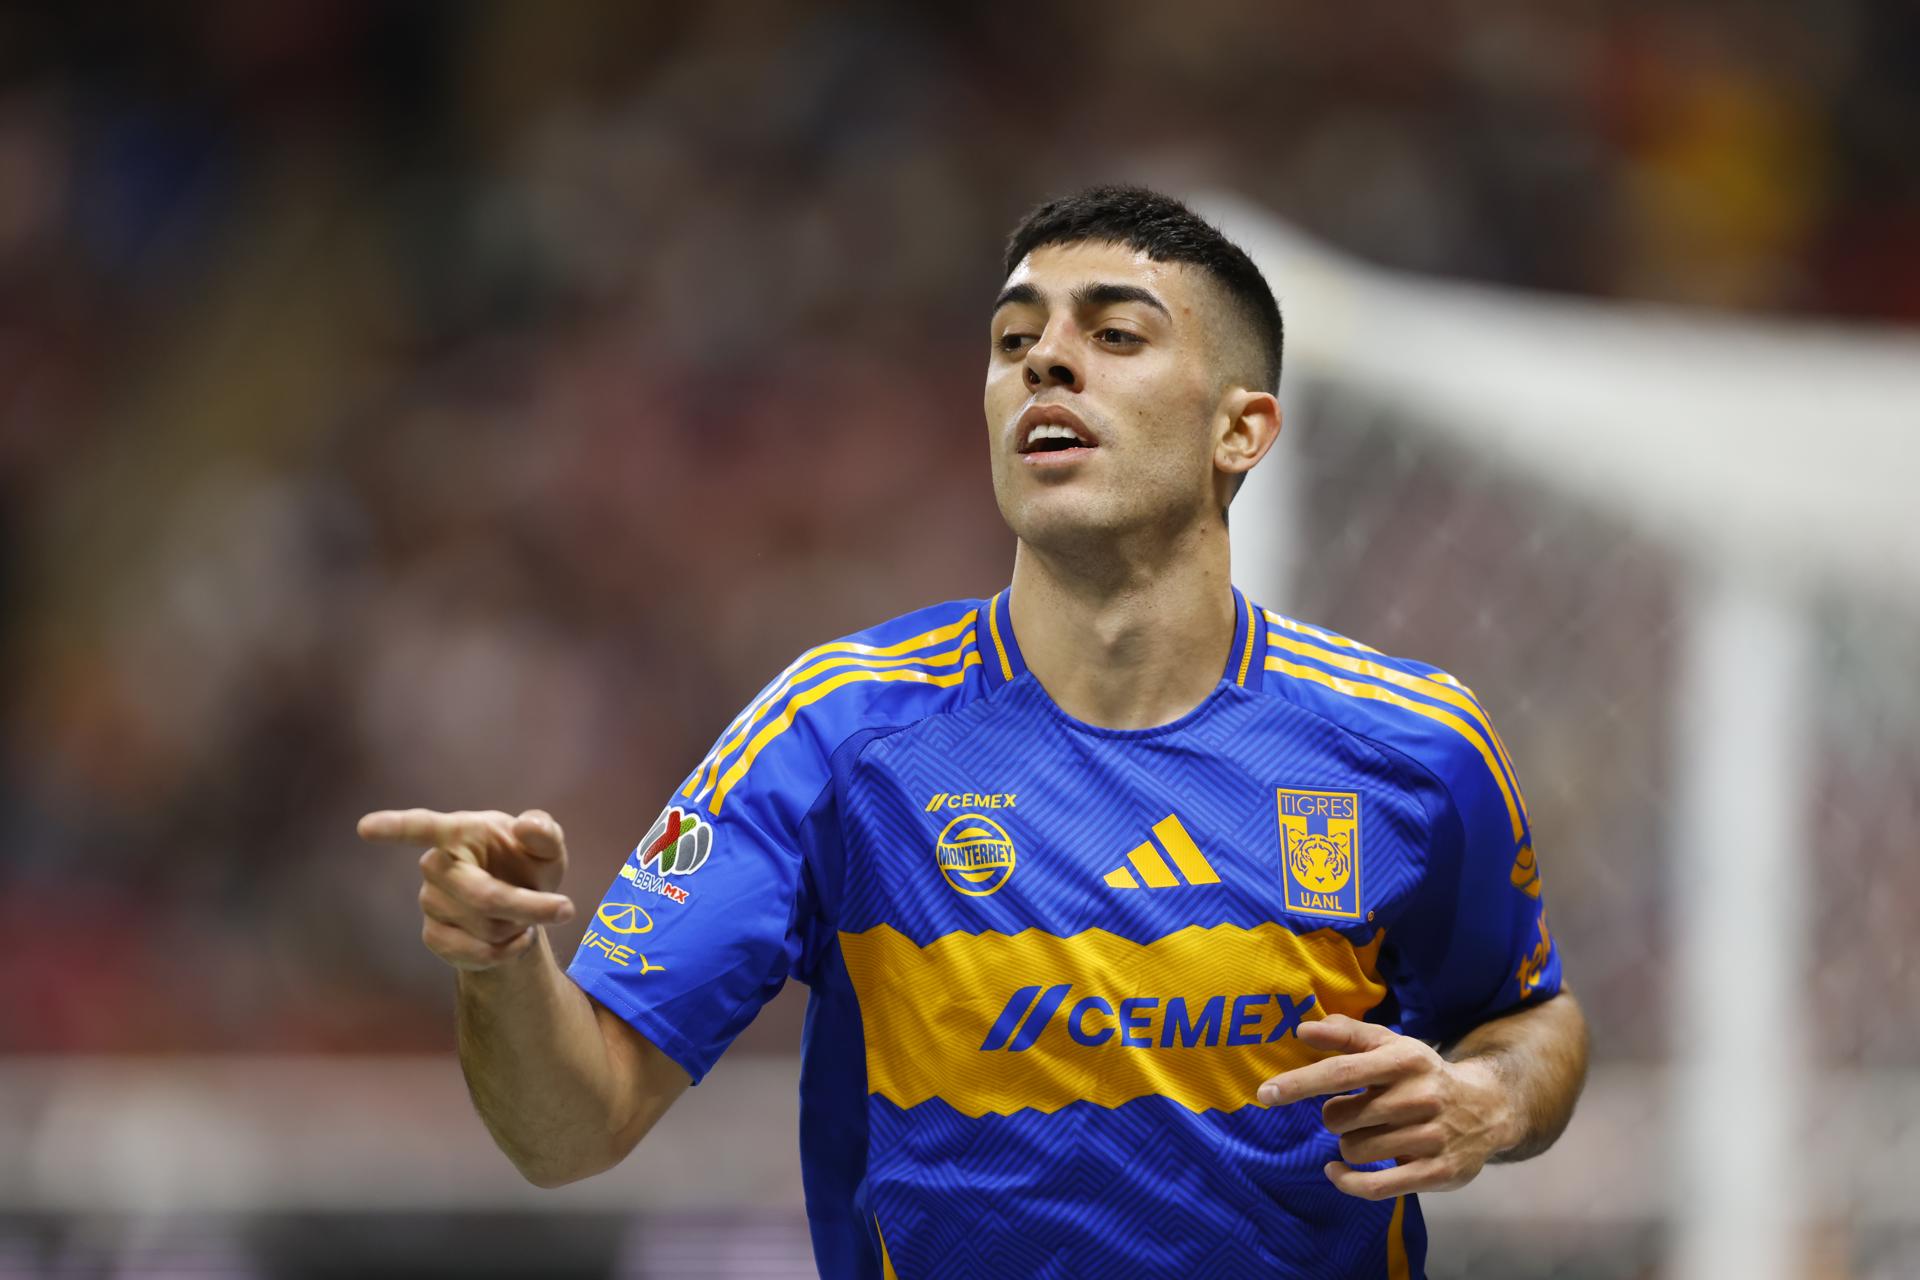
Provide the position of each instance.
(1132, 642)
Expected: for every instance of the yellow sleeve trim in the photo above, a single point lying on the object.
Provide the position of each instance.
(800, 669)
(1354, 689)
(1441, 677)
(1449, 691)
(1329, 636)
(784, 721)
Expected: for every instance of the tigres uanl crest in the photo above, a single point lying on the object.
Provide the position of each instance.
(1320, 851)
(1321, 863)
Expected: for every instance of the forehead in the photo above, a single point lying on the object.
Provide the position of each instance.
(1057, 269)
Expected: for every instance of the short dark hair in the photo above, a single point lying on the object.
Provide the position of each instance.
(1166, 231)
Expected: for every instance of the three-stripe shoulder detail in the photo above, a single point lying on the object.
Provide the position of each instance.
(1436, 696)
(938, 656)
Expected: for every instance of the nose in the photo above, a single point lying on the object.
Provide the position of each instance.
(1051, 363)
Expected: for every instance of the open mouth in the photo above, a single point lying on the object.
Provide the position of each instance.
(1053, 437)
(1053, 433)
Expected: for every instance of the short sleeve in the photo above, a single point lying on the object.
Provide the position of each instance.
(1475, 941)
(706, 919)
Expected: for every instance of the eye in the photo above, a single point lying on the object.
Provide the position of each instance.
(1011, 341)
(1118, 337)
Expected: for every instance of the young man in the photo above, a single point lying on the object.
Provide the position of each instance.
(1129, 909)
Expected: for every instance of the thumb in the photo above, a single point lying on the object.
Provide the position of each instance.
(540, 835)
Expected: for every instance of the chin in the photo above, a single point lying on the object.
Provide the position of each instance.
(1062, 521)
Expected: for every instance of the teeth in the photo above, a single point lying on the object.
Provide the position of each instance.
(1051, 431)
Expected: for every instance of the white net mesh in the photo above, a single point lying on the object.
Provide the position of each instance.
(1402, 523)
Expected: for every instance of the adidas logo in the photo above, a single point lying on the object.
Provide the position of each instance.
(1145, 865)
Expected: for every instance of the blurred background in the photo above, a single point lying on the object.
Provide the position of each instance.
(471, 405)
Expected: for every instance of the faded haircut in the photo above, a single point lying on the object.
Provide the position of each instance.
(1166, 231)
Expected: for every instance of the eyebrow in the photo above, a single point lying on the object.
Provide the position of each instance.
(1086, 296)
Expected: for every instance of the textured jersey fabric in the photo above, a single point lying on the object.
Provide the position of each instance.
(1050, 963)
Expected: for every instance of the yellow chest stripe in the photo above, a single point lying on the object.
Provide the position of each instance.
(930, 1013)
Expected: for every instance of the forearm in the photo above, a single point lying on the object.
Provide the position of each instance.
(1538, 1058)
(549, 1087)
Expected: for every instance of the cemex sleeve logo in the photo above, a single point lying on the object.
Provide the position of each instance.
(676, 845)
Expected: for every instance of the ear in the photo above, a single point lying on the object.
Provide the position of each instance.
(1249, 423)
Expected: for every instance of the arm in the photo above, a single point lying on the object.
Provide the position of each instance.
(1504, 1092)
(565, 1088)
(1531, 1065)
(1475, 969)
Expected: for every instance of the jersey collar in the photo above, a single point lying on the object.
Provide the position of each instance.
(1000, 651)
(1249, 655)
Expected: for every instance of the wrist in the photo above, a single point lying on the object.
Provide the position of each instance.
(512, 973)
(1501, 1117)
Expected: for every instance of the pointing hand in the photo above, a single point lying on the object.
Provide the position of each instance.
(487, 882)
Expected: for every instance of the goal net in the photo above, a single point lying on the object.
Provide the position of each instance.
(1678, 558)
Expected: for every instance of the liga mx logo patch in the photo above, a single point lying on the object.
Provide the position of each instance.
(1320, 852)
(677, 844)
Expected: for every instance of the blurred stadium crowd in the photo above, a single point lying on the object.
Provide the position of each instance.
(471, 405)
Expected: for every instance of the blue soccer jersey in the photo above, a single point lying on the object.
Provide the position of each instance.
(1050, 963)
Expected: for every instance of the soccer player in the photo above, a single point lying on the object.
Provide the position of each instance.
(1149, 932)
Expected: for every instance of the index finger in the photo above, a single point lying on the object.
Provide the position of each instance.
(1334, 1075)
(1343, 1034)
(412, 826)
